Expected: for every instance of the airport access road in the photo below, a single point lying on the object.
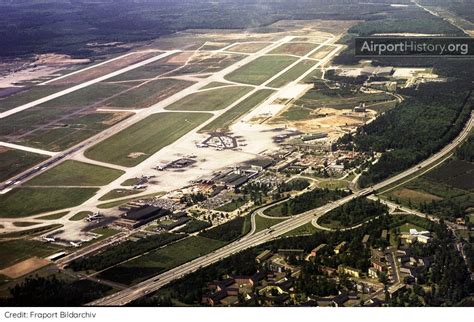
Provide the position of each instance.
(126, 296)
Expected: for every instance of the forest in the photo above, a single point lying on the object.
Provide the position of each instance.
(421, 125)
(306, 201)
(68, 26)
(227, 232)
(123, 251)
(54, 291)
(355, 212)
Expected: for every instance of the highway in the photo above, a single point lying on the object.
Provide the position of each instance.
(128, 295)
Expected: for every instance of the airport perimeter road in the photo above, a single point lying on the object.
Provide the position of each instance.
(153, 284)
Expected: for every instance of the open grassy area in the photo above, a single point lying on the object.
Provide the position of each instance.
(211, 100)
(321, 96)
(32, 94)
(233, 205)
(306, 229)
(137, 142)
(119, 193)
(14, 251)
(333, 184)
(54, 216)
(193, 226)
(292, 74)
(56, 128)
(77, 130)
(160, 260)
(31, 232)
(148, 94)
(214, 85)
(130, 182)
(24, 223)
(264, 223)
(225, 120)
(261, 69)
(111, 204)
(87, 96)
(23, 202)
(322, 52)
(75, 173)
(207, 64)
(249, 47)
(80, 215)
(13, 162)
(294, 48)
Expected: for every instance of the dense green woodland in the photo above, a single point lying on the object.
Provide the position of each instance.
(52, 291)
(426, 121)
(227, 232)
(66, 26)
(121, 252)
(355, 212)
(466, 151)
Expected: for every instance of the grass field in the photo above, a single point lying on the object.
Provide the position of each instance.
(322, 52)
(13, 162)
(294, 48)
(56, 128)
(119, 193)
(148, 71)
(137, 142)
(214, 85)
(264, 223)
(212, 100)
(260, 70)
(292, 74)
(23, 202)
(322, 97)
(193, 226)
(306, 229)
(233, 205)
(35, 231)
(75, 173)
(148, 94)
(249, 47)
(333, 184)
(228, 118)
(87, 96)
(54, 216)
(297, 113)
(32, 94)
(24, 223)
(160, 260)
(14, 251)
(80, 215)
(208, 64)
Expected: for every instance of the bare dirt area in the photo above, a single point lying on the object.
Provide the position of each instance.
(414, 195)
(107, 68)
(34, 70)
(25, 267)
(333, 122)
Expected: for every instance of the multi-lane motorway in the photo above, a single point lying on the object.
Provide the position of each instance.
(130, 294)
